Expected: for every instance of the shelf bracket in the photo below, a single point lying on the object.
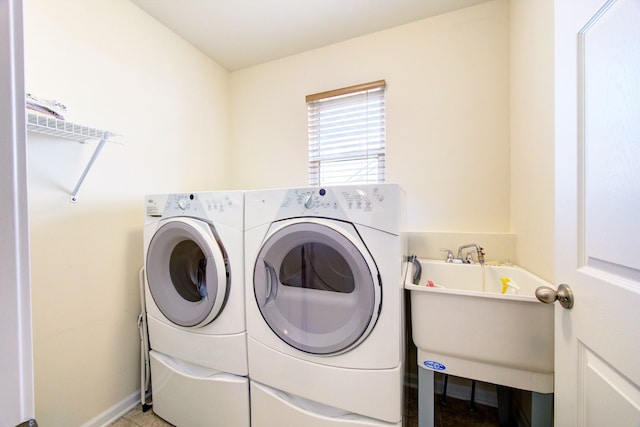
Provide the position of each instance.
(94, 156)
(52, 126)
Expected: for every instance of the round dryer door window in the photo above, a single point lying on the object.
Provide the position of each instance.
(317, 288)
(187, 272)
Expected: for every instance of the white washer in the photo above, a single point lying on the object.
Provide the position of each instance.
(325, 307)
(194, 292)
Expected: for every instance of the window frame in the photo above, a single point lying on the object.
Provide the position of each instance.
(360, 157)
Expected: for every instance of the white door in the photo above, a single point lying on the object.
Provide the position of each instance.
(16, 360)
(597, 101)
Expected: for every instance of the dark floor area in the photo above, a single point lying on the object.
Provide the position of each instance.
(455, 413)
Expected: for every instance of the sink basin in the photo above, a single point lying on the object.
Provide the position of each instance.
(463, 328)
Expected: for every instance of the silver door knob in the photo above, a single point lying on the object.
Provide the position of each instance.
(548, 295)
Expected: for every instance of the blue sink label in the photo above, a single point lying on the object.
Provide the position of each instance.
(432, 364)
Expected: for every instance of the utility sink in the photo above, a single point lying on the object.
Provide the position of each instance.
(462, 324)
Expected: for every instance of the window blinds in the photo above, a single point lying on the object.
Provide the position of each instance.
(347, 135)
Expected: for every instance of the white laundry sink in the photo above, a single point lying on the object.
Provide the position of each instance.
(467, 331)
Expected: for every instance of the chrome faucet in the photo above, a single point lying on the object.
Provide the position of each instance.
(469, 259)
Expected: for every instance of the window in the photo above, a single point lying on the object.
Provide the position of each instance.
(347, 135)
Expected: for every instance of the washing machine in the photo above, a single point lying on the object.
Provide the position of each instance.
(325, 309)
(194, 295)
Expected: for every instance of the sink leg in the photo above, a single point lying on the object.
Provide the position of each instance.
(472, 401)
(426, 396)
(541, 409)
(504, 405)
(443, 398)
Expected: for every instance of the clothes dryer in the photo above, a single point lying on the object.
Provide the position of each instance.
(194, 292)
(325, 308)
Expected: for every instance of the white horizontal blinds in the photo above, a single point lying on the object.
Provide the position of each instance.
(347, 135)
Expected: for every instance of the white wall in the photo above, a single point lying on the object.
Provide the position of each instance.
(448, 115)
(115, 68)
(532, 140)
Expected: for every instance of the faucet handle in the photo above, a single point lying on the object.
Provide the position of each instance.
(469, 258)
(449, 254)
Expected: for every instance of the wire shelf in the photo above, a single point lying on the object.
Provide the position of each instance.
(64, 129)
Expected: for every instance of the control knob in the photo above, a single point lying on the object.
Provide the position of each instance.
(308, 204)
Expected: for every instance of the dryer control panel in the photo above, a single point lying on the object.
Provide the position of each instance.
(323, 198)
(376, 205)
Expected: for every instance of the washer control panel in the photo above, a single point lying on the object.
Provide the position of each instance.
(206, 205)
(194, 203)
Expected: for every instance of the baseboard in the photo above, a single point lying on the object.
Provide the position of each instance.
(116, 411)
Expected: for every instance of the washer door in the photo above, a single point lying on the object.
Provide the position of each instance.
(317, 288)
(187, 272)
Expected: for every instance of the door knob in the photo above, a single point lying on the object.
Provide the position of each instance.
(548, 295)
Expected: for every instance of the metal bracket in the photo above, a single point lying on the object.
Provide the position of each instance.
(94, 156)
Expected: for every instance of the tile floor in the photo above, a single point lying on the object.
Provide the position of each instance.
(453, 414)
(137, 418)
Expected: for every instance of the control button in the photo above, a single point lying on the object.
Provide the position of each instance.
(182, 204)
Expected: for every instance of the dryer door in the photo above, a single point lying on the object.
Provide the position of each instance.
(187, 272)
(317, 286)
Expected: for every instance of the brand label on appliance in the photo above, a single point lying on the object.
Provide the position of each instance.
(432, 364)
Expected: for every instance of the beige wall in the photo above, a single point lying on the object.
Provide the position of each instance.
(532, 140)
(469, 124)
(532, 145)
(447, 123)
(115, 68)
